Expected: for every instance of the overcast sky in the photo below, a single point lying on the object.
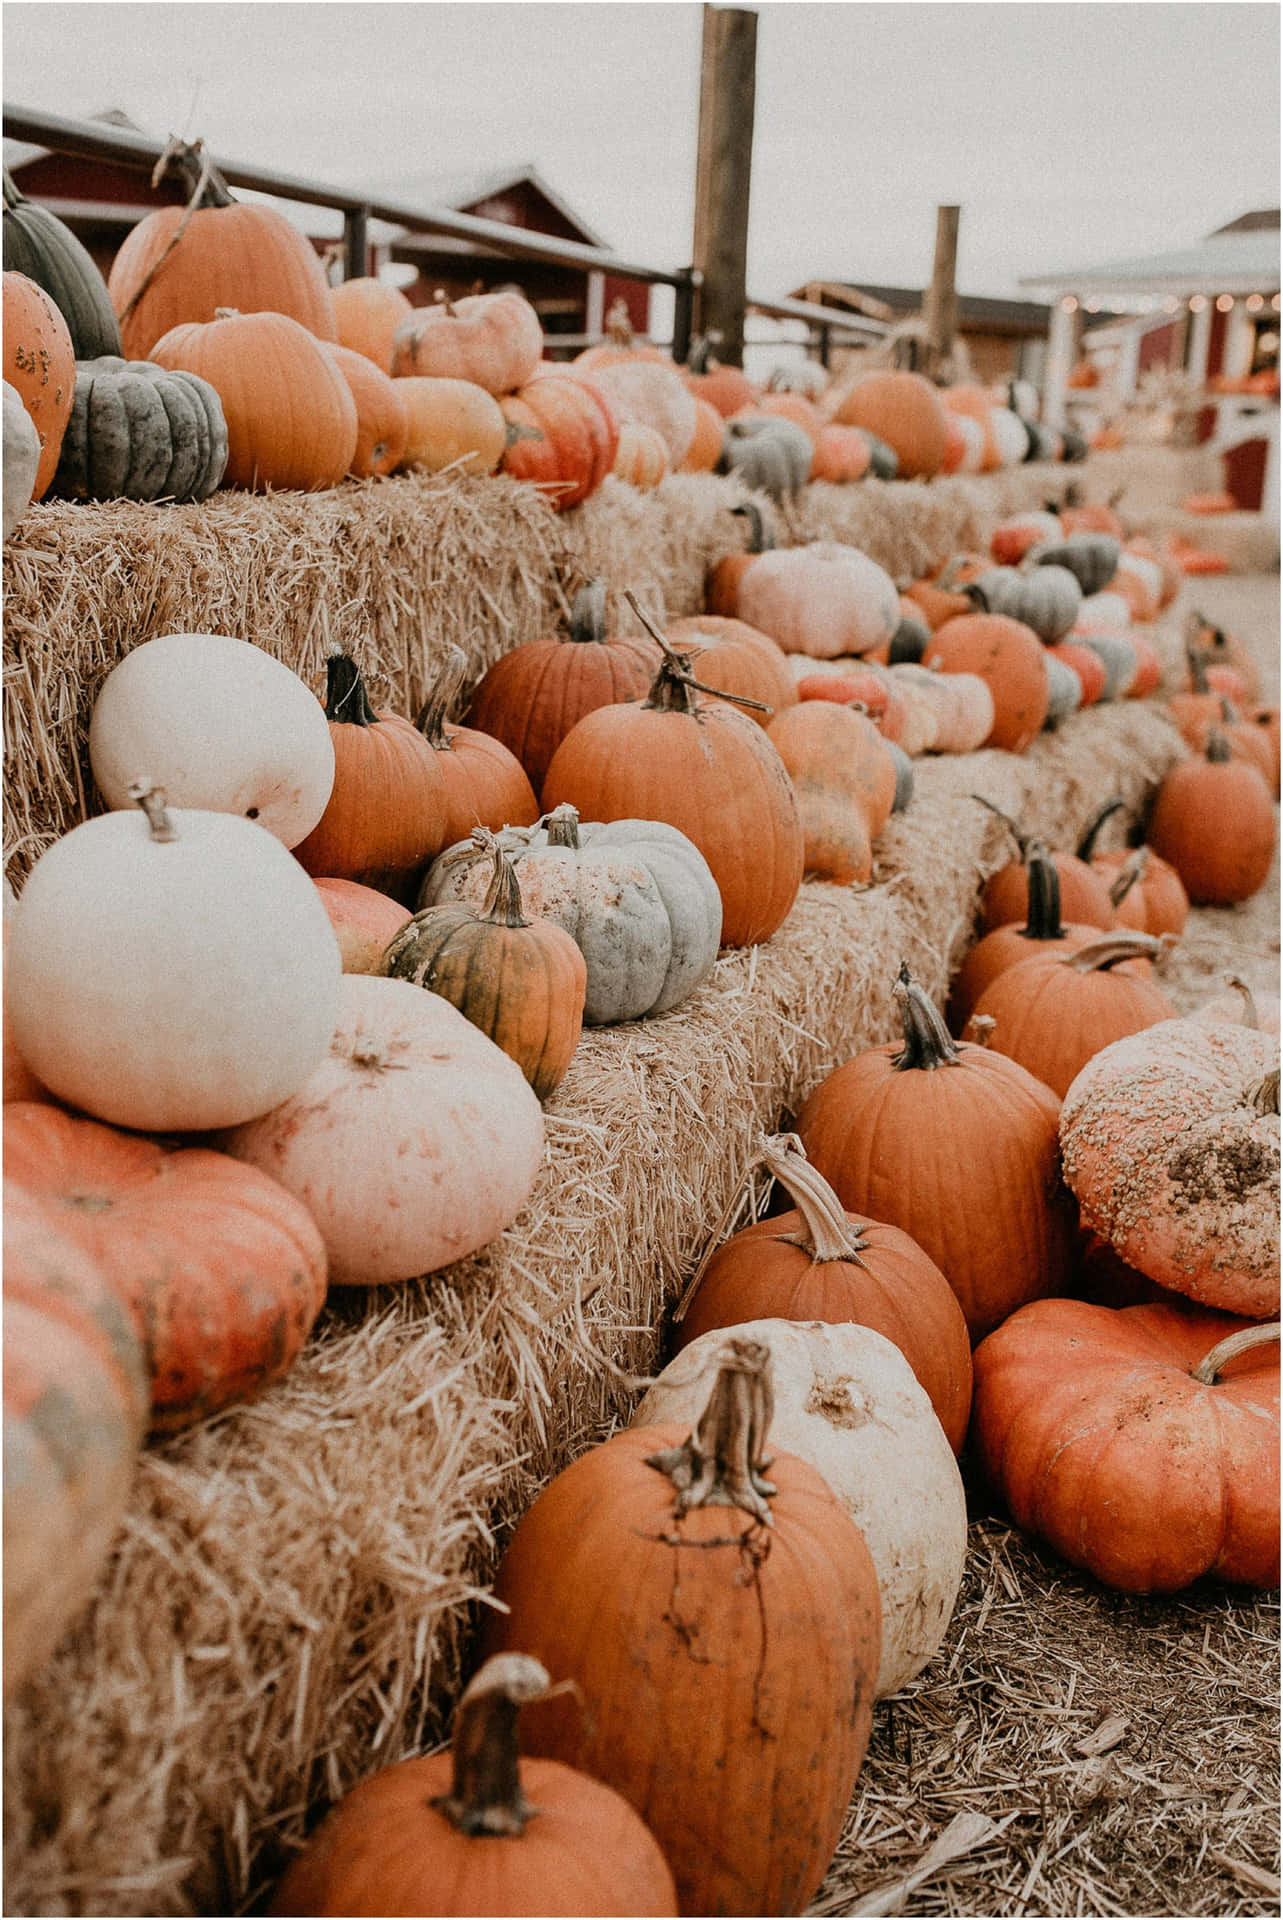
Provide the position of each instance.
(1068, 133)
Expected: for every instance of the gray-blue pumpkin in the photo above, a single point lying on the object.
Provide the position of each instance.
(770, 454)
(141, 432)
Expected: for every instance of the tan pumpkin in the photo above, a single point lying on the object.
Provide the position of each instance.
(451, 422)
(822, 599)
(651, 393)
(641, 458)
(493, 340)
(705, 450)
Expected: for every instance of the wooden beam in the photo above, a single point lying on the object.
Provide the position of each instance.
(722, 172)
(940, 308)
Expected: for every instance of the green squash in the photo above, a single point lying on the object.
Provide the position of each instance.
(770, 454)
(141, 432)
(1092, 558)
(39, 244)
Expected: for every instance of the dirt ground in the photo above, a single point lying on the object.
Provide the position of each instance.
(1072, 1750)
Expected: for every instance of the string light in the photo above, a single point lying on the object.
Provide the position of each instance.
(1197, 302)
(1069, 304)
(1255, 301)
(1224, 301)
(1171, 304)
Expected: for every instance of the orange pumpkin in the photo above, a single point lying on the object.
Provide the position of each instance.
(641, 458)
(1006, 946)
(1213, 820)
(494, 340)
(649, 392)
(821, 745)
(562, 436)
(842, 454)
(1086, 663)
(721, 589)
(180, 265)
(705, 450)
(1084, 894)
(451, 422)
(382, 422)
(1009, 656)
(1146, 893)
(621, 343)
(484, 783)
(363, 919)
(732, 657)
(367, 313)
(905, 410)
(40, 363)
(729, 389)
(788, 406)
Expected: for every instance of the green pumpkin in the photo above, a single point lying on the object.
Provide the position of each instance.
(141, 432)
(39, 244)
(1046, 598)
(1092, 558)
(770, 454)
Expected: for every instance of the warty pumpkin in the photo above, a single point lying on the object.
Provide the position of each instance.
(477, 1830)
(221, 1270)
(414, 1142)
(957, 1146)
(494, 340)
(484, 784)
(40, 366)
(563, 436)
(518, 978)
(44, 248)
(138, 431)
(1171, 1144)
(723, 1633)
(705, 769)
(1141, 1442)
(1008, 655)
(823, 599)
(1213, 820)
(179, 265)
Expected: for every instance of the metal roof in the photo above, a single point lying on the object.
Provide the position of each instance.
(1234, 260)
(973, 309)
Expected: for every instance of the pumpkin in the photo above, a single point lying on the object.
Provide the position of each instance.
(1266, 720)
(1145, 892)
(562, 436)
(641, 457)
(903, 777)
(494, 340)
(1044, 598)
(221, 1270)
(822, 599)
(845, 784)
(1140, 581)
(387, 811)
(1094, 516)
(179, 265)
(770, 455)
(1083, 893)
(1213, 820)
(291, 419)
(1092, 558)
(956, 1145)
(484, 784)
(705, 450)
(819, 1262)
(705, 769)
(969, 402)
(382, 418)
(367, 313)
(40, 366)
(531, 697)
(1170, 1143)
(1246, 742)
(1053, 1011)
(1064, 692)
(140, 432)
(864, 686)
(219, 724)
(1015, 536)
(1148, 677)
(727, 388)
(363, 920)
(939, 598)
(170, 972)
(1086, 666)
(734, 658)
(476, 1831)
(1007, 655)
(905, 410)
(621, 343)
(1007, 945)
(926, 714)
(910, 640)
(1100, 614)
(842, 454)
(723, 1635)
(636, 896)
(1221, 650)
(43, 247)
(518, 978)
(21, 459)
(1238, 1007)
(75, 1407)
(1196, 706)
(414, 1143)
(1141, 1442)
(1118, 657)
(651, 392)
(845, 1400)
(1010, 436)
(451, 423)
(961, 703)
(721, 588)
(780, 404)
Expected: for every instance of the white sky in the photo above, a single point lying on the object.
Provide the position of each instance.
(1068, 133)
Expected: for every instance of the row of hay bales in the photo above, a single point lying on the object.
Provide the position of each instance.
(292, 1596)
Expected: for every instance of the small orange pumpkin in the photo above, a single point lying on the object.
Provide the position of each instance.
(40, 363)
(367, 313)
(451, 422)
(382, 422)
(1213, 820)
(1009, 656)
(484, 783)
(641, 458)
(705, 450)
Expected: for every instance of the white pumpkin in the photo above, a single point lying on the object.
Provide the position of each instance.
(972, 458)
(847, 1401)
(636, 896)
(217, 723)
(655, 396)
(21, 458)
(822, 599)
(1009, 434)
(171, 984)
(413, 1144)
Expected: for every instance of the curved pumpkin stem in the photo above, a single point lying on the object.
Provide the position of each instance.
(1042, 915)
(446, 304)
(1218, 749)
(1251, 1014)
(152, 801)
(1264, 1093)
(562, 826)
(826, 1233)
(205, 185)
(1221, 1355)
(761, 534)
(1129, 875)
(1106, 952)
(1087, 845)
(1017, 835)
(723, 1462)
(502, 904)
(588, 612)
(672, 686)
(446, 689)
(927, 1041)
(485, 1794)
(346, 698)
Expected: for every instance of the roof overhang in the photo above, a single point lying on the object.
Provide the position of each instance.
(1230, 263)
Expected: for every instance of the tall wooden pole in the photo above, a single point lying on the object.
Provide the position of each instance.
(722, 170)
(940, 309)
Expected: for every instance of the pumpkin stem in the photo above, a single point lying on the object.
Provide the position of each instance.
(1218, 749)
(1098, 955)
(619, 326)
(431, 722)
(672, 686)
(563, 826)
(152, 801)
(927, 1041)
(722, 1464)
(485, 1794)
(588, 614)
(1129, 875)
(205, 185)
(346, 698)
(1087, 845)
(502, 903)
(826, 1232)
(444, 301)
(1264, 1093)
(698, 360)
(12, 197)
(1042, 915)
(1251, 1016)
(1221, 1355)
(1007, 821)
(761, 533)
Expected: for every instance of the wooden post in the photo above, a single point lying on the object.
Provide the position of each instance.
(722, 171)
(940, 308)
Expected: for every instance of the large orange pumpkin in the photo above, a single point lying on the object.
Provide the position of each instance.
(179, 265)
(905, 410)
(563, 436)
(451, 423)
(492, 339)
(1009, 656)
(1213, 820)
(40, 363)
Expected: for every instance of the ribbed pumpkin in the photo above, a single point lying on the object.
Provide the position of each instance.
(562, 436)
(291, 419)
(75, 1408)
(43, 247)
(493, 339)
(221, 1270)
(484, 783)
(957, 1146)
(451, 423)
(905, 410)
(477, 1831)
(1053, 1011)
(1142, 1443)
(179, 265)
(1007, 945)
(705, 769)
(141, 432)
(822, 599)
(732, 657)
(382, 422)
(1213, 820)
(1009, 656)
(819, 1262)
(387, 811)
(519, 979)
(845, 784)
(40, 365)
(1044, 598)
(1083, 893)
(641, 458)
(531, 697)
(367, 313)
(686, 1595)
